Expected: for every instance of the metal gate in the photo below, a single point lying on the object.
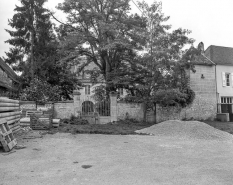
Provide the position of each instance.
(103, 108)
(97, 113)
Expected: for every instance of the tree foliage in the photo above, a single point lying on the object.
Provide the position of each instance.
(103, 31)
(31, 36)
(40, 91)
(35, 48)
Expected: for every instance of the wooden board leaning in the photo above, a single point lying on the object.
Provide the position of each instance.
(7, 139)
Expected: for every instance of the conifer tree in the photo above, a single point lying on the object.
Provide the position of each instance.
(30, 38)
(35, 51)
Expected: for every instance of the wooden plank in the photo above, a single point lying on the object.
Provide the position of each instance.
(16, 128)
(8, 114)
(6, 100)
(7, 146)
(13, 121)
(13, 125)
(6, 133)
(5, 109)
(3, 104)
(3, 129)
(12, 118)
(7, 139)
(28, 113)
(11, 145)
(2, 121)
(25, 124)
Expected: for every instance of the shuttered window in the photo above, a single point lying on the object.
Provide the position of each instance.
(226, 79)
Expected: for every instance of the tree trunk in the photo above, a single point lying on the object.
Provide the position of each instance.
(144, 106)
(32, 55)
(155, 113)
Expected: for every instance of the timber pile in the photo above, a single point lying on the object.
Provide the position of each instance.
(9, 110)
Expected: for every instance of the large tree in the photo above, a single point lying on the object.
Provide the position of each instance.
(103, 31)
(157, 76)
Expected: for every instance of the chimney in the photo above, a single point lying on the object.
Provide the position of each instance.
(200, 47)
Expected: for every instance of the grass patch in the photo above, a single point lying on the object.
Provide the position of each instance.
(122, 127)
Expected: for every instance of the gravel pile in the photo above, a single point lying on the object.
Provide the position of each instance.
(187, 130)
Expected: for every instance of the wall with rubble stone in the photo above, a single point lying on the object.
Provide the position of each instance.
(129, 110)
(63, 109)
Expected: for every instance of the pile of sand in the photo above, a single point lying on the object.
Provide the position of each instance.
(187, 130)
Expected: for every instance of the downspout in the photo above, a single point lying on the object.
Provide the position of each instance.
(216, 86)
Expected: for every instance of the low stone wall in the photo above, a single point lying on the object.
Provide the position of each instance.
(63, 109)
(27, 105)
(203, 108)
(129, 110)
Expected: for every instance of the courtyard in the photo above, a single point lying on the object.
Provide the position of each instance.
(64, 158)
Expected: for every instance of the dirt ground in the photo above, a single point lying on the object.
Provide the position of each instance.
(63, 158)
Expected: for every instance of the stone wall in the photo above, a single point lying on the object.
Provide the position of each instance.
(129, 110)
(27, 105)
(64, 109)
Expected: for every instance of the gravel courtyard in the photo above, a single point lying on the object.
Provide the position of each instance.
(64, 158)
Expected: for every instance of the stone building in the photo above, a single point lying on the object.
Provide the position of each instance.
(9, 83)
(223, 58)
(203, 83)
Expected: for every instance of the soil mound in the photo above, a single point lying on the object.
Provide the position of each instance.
(187, 130)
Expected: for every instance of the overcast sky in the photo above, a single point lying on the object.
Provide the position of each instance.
(211, 21)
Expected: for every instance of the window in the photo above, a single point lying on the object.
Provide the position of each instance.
(226, 79)
(87, 89)
(227, 75)
(226, 100)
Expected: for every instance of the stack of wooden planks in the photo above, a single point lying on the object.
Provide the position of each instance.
(25, 121)
(9, 111)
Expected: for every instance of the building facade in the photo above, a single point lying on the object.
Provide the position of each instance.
(223, 58)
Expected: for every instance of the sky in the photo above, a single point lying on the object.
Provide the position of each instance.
(211, 21)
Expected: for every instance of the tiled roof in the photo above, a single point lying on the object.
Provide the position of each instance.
(203, 60)
(8, 71)
(220, 55)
